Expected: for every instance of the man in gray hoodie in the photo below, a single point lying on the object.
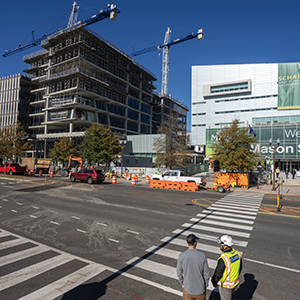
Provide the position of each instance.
(193, 271)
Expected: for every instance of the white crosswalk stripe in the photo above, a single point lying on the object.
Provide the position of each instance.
(234, 214)
(230, 215)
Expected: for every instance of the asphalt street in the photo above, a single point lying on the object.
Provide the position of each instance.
(118, 241)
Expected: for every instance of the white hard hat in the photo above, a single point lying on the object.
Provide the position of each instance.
(225, 240)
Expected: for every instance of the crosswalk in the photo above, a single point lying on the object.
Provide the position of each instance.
(234, 214)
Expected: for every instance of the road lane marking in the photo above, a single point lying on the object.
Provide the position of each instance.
(32, 216)
(14, 211)
(233, 207)
(19, 203)
(175, 254)
(218, 230)
(12, 257)
(65, 284)
(24, 274)
(35, 207)
(55, 223)
(223, 224)
(233, 210)
(74, 217)
(112, 240)
(208, 237)
(5, 200)
(271, 265)
(82, 231)
(224, 218)
(228, 214)
(102, 224)
(134, 232)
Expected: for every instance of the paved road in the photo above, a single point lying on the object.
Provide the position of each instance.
(117, 241)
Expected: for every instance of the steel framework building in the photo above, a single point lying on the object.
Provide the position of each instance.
(79, 78)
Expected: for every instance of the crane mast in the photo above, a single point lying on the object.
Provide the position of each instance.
(74, 15)
(166, 47)
(165, 64)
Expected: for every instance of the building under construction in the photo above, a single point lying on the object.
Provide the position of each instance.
(79, 78)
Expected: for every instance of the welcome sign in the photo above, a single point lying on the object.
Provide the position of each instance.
(289, 136)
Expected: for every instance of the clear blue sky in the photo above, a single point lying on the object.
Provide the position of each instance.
(235, 32)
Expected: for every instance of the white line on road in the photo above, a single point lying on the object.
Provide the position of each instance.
(74, 217)
(234, 207)
(19, 203)
(112, 240)
(227, 214)
(32, 216)
(5, 200)
(208, 216)
(35, 207)
(102, 224)
(52, 222)
(79, 230)
(271, 265)
(14, 211)
(134, 232)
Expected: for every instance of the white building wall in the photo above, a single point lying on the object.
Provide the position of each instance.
(264, 90)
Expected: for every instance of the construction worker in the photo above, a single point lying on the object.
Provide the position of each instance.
(228, 269)
(277, 172)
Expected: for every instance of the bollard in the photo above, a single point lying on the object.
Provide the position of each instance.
(114, 179)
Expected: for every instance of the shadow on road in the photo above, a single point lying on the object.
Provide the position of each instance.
(91, 291)
(244, 292)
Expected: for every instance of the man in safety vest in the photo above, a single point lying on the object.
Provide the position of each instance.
(228, 269)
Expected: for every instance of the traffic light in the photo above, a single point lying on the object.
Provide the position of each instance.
(216, 166)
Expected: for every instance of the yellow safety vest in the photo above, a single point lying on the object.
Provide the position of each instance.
(232, 261)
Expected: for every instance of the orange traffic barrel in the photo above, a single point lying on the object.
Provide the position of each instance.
(129, 176)
(51, 174)
(32, 171)
(215, 185)
(70, 175)
(27, 172)
(114, 179)
(40, 173)
(125, 175)
(136, 177)
(147, 179)
(133, 180)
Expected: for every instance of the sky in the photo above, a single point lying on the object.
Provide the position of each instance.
(235, 32)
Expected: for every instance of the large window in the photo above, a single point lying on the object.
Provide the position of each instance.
(229, 87)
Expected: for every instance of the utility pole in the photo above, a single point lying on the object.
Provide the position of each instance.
(274, 150)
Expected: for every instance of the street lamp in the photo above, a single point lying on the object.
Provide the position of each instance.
(274, 149)
(122, 145)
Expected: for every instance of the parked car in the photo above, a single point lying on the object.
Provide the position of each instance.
(89, 175)
(12, 168)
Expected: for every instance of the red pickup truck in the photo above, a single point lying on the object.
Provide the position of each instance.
(12, 168)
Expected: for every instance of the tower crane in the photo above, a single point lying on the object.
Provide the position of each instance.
(111, 12)
(166, 46)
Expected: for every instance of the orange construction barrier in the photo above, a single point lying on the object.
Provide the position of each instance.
(137, 179)
(40, 173)
(32, 172)
(114, 180)
(189, 186)
(128, 176)
(147, 178)
(177, 185)
(157, 184)
(133, 180)
(70, 175)
(27, 172)
(125, 175)
(168, 185)
(51, 174)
